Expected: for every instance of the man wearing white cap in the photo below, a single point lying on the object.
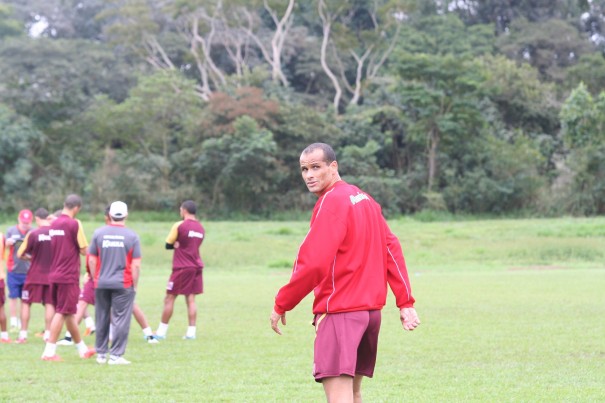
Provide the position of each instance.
(115, 262)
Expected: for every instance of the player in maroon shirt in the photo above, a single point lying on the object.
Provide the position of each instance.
(68, 243)
(185, 238)
(3, 333)
(36, 249)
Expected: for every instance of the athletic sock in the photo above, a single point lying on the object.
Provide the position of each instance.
(3, 335)
(46, 334)
(14, 322)
(82, 348)
(23, 334)
(67, 335)
(147, 331)
(191, 331)
(162, 329)
(89, 323)
(49, 350)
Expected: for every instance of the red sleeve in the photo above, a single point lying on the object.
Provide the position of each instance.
(397, 273)
(315, 258)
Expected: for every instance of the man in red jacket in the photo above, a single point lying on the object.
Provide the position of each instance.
(347, 258)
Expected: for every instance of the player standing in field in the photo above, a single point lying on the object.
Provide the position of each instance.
(68, 242)
(36, 249)
(17, 268)
(347, 258)
(115, 261)
(185, 238)
(3, 333)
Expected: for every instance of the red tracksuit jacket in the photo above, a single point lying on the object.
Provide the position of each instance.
(348, 257)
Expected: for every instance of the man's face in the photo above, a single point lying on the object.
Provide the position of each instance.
(317, 174)
(24, 226)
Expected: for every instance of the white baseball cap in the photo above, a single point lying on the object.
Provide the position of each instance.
(118, 209)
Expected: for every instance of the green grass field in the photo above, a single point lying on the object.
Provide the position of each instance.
(511, 310)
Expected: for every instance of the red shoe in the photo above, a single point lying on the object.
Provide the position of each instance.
(6, 341)
(55, 358)
(89, 353)
(20, 341)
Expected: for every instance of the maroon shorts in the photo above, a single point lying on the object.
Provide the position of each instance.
(2, 293)
(64, 297)
(88, 292)
(36, 293)
(346, 344)
(185, 281)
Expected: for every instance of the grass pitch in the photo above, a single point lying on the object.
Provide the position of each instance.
(511, 310)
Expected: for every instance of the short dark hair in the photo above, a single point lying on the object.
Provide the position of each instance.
(41, 213)
(107, 210)
(189, 206)
(72, 201)
(329, 154)
(57, 213)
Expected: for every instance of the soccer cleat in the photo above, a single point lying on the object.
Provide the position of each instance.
(65, 342)
(21, 341)
(55, 358)
(188, 337)
(39, 334)
(88, 353)
(5, 341)
(102, 359)
(159, 337)
(89, 331)
(118, 361)
(152, 339)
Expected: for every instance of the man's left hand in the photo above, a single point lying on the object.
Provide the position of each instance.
(409, 318)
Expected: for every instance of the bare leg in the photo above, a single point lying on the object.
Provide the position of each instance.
(55, 327)
(357, 388)
(140, 317)
(81, 311)
(339, 389)
(191, 309)
(2, 319)
(12, 307)
(25, 313)
(49, 312)
(168, 308)
(72, 326)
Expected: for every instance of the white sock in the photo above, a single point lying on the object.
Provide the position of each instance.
(23, 334)
(191, 331)
(162, 329)
(3, 335)
(147, 331)
(67, 334)
(89, 323)
(49, 350)
(46, 334)
(82, 348)
(14, 322)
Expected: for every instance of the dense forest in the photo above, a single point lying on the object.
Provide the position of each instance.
(467, 106)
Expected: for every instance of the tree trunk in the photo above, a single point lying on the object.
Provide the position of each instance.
(432, 162)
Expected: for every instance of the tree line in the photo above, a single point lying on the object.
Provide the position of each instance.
(462, 106)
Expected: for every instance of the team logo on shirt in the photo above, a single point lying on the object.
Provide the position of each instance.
(56, 232)
(357, 198)
(195, 234)
(113, 241)
(43, 237)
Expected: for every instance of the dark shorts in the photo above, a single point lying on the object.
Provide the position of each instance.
(15, 283)
(64, 297)
(185, 281)
(2, 293)
(346, 344)
(88, 292)
(35, 293)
